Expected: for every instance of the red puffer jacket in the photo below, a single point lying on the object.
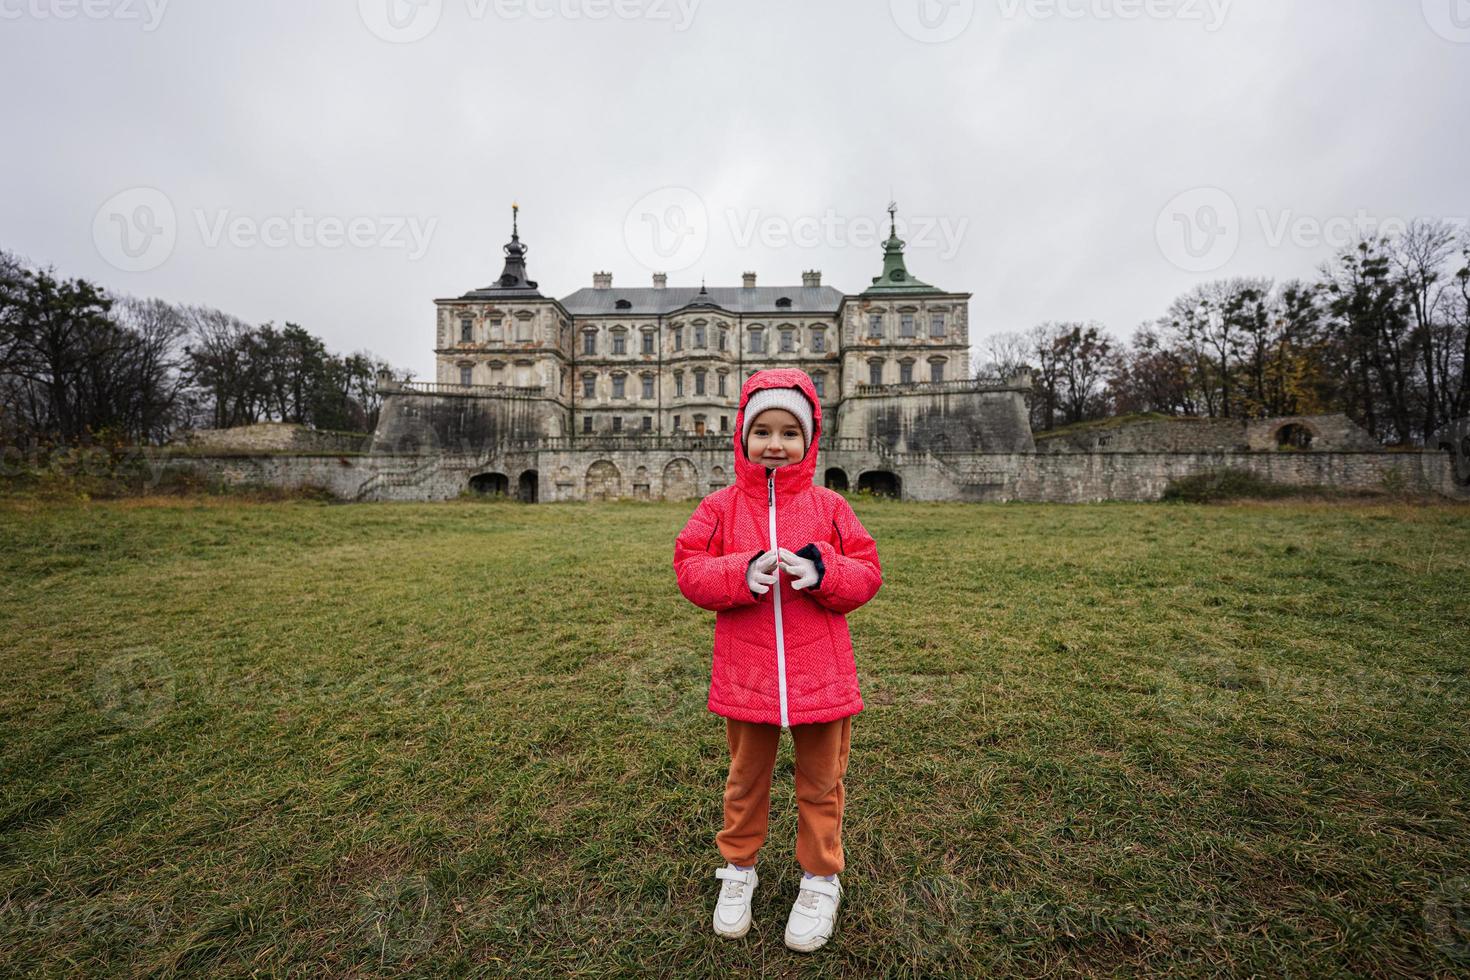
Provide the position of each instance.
(784, 657)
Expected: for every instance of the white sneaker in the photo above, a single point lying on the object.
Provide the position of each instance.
(814, 915)
(732, 909)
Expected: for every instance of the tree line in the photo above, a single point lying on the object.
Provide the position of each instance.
(81, 365)
(1382, 334)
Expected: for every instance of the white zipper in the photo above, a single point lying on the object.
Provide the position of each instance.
(780, 640)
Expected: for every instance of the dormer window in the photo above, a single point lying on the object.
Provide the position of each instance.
(623, 304)
(784, 303)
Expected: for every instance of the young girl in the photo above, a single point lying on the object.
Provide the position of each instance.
(781, 561)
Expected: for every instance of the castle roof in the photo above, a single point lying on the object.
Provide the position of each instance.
(653, 301)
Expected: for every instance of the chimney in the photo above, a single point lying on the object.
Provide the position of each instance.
(749, 280)
(812, 277)
(602, 280)
(660, 280)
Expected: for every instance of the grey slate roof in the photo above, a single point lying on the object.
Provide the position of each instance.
(649, 301)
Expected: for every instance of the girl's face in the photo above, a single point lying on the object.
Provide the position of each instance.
(775, 439)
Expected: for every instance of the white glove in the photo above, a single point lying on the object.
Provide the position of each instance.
(803, 571)
(761, 574)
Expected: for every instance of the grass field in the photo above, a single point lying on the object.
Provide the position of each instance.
(305, 738)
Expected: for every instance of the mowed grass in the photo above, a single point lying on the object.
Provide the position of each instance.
(270, 738)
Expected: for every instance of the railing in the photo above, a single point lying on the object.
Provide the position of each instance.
(445, 388)
(719, 441)
(934, 387)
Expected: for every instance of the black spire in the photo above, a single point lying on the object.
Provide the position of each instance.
(514, 275)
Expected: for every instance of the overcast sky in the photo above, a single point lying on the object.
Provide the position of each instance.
(342, 163)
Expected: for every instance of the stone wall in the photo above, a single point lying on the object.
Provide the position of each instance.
(275, 437)
(942, 417)
(1193, 435)
(467, 423)
(578, 474)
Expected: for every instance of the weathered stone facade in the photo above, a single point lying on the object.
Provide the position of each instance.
(1190, 435)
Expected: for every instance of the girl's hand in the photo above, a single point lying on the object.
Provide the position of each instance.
(761, 574)
(803, 571)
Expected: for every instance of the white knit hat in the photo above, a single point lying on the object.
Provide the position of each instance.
(792, 400)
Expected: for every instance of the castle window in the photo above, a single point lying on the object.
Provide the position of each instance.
(724, 423)
(523, 328)
(648, 341)
(875, 326)
(788, 341)
(466, 330)
(699, 425)
(648, 423)
(589, 342)
(648, 386)
(819, 382)
(906, 325)
(724, 339)
(905, 372)
(617, 423)
(699, 336)
(620, 342)
(587, 424)
(936, 325)
(678, 338)
(619, 384)
(819, 340)
(465, 374)
(678, 384)
(676, 423)
(723, 376)
(623, 304)
(875, 372)
(936, 370)
(757, 340)
(784, 303)
(699, 381)
(589, 386)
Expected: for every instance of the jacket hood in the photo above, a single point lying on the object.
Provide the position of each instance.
(796, 477)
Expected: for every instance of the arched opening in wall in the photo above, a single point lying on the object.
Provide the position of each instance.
(681, 481)
(490, 484)
(1293, 435)
(604, 481)
(529, 484)
(836, 479)
(880, 482)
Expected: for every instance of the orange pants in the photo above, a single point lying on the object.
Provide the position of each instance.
(821, 763)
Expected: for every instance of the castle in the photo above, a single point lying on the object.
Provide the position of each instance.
(632, 392)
